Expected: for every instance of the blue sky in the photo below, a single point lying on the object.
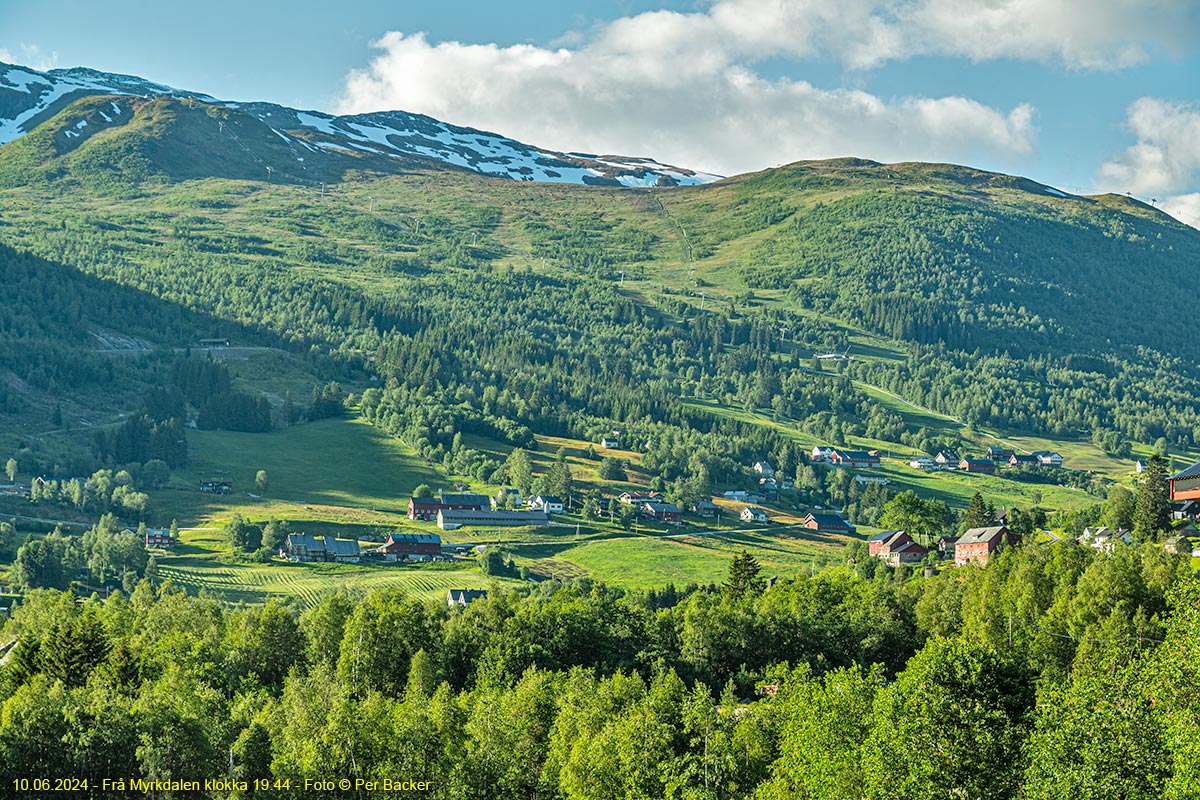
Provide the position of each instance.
(1087, 96)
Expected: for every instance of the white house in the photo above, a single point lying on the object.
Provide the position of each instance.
(947, 460)
(548, 503)
(922, 462)
(1049, 459)
(764, 468)
(753, 514)
(820, 453)
(1105, 539)
(878, 479)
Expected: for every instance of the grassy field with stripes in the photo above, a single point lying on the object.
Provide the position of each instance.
(255, 583)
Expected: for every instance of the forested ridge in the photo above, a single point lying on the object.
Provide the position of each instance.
(1054, 672)
(1016, 308)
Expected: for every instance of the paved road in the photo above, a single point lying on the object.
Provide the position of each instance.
(48, 521)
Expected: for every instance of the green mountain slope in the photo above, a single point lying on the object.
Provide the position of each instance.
(987, 298)
(114, 144)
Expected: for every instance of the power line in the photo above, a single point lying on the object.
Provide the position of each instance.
(1081, 639)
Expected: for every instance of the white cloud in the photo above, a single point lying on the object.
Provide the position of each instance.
(30, 55)
(683, 87)
(672, 86)
(1166, 157)
(1088, 34)
(1185, 208)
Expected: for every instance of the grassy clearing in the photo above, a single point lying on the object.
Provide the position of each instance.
(1078, 455)
(647, 562)
(338, 470)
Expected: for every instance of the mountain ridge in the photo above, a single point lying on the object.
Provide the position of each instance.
(29, 97)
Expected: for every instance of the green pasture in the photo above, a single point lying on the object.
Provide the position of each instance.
(324, 470)
(652, 561)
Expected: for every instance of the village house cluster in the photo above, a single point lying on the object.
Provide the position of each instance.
(995, 456)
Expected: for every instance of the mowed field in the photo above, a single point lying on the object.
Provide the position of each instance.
(341, 469)
(201, 563)
(254, 583)
(649, 562)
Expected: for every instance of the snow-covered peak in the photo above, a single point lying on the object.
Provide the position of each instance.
(29, 97)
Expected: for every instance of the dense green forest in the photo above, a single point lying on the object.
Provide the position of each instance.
(1054, 672)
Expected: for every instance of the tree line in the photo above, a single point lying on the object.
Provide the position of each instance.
(1053, 672)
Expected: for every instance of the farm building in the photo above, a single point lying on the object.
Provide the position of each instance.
(402, 546)
(343, 551)
(465, 501)
(896, 548)
(462, 597)
(1185, 484)
(978, 544)
(216, 485)
(159, 537)
(706, 508)
(984, 465)
(830, 523)
(854, 458)
(663, 512)
(427, 508)
(450, 519)
(304, 547)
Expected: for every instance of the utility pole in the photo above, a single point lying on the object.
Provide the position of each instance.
(702, 296)
(622, 277)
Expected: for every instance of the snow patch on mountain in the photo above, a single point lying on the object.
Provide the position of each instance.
(27, 97)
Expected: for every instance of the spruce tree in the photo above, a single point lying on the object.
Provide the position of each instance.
(744, 578)
(977, 515)
(1152, 512)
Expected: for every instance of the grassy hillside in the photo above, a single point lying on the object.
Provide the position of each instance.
(468, 316)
